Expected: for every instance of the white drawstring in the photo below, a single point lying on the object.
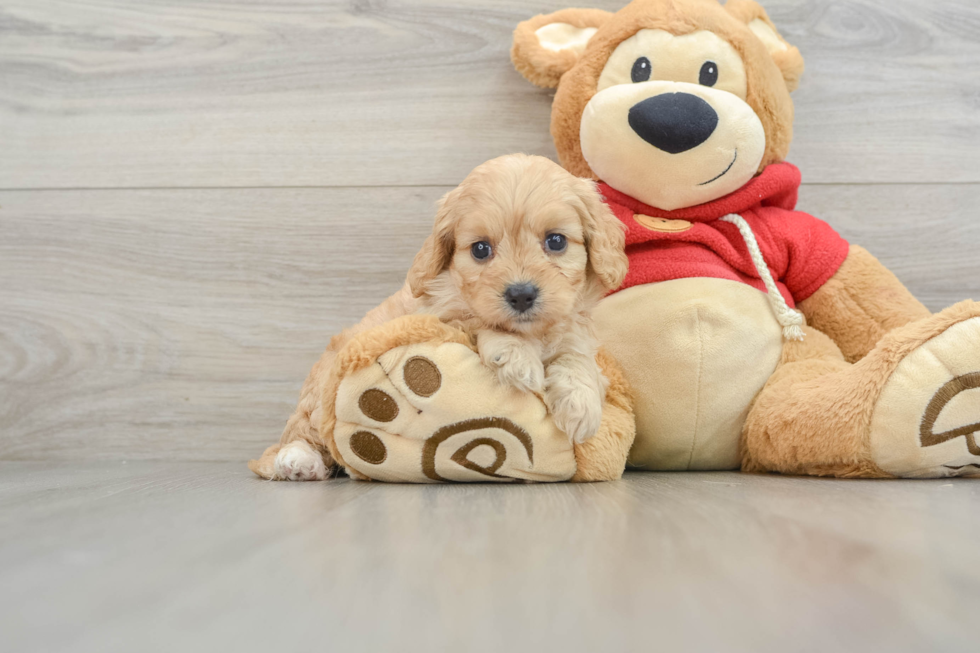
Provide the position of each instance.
(792, 321)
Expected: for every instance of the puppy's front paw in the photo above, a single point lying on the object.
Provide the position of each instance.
(518, 367)
(298, 461)
(525, 374)
(576, 411)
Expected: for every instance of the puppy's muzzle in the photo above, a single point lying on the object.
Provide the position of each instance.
(673, 122)
(521, 296)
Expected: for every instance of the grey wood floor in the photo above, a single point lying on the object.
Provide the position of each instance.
(151, 556)
(195, 195)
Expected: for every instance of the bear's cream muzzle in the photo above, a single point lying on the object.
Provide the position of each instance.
(671, 144)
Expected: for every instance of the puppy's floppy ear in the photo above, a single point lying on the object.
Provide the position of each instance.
(787, 58)
(437, 250)
(605, 237)
(548, 46)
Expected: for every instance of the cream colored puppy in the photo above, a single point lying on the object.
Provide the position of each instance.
(520, 253)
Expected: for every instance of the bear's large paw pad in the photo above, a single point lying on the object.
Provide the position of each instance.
(432, 412)
(928, 414)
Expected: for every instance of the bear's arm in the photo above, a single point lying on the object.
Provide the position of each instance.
(859, 304)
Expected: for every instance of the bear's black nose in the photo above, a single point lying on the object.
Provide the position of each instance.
(521, 296)
(673, 122)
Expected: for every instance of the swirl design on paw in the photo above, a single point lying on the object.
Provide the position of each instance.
(460, 456)
(946, 394)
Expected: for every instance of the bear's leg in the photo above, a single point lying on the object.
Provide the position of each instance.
(907, 409)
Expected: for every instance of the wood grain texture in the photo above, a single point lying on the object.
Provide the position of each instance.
(124, 93)
(164, 557)
(180, 324)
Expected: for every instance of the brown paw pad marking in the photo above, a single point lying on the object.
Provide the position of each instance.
(499, 452)
(368, 447)
(460, 456)
(946, 394)
(422, 376)
(378, 405)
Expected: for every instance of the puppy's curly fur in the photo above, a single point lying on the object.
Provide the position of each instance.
(511, 206)
(512, 203)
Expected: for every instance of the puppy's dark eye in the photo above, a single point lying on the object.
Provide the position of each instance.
(641, 70)
(555, 243)
(709, 74)
(481, 251)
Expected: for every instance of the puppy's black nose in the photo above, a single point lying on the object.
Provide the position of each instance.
(521, 296)
(673, 122)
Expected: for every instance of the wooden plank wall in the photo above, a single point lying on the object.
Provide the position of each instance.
(194, 196)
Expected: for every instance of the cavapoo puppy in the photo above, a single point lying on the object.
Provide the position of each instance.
(519, 254)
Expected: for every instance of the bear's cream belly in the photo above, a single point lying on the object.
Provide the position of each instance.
(696, 351)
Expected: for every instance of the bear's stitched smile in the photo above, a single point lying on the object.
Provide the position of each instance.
(725, 172)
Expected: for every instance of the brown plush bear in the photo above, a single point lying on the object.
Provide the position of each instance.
(753, 335)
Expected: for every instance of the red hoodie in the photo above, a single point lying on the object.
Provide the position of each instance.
(801, 251)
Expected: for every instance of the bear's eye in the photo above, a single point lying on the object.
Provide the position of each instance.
(481, 251)
(709, 74)
(555, 243)
(641, 70)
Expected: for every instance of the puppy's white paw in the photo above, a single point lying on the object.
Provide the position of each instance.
(527, 376)
(297, 461)
(523, 372)
(516, 365)
(576, 411)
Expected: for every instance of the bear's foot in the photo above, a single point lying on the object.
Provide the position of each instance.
(414, 403)
(431, 411)
(910, 408)
(927, 416)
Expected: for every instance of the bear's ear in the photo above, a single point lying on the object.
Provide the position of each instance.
(546, 47)
(787, 57)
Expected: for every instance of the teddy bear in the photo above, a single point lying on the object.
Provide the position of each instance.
(754, 337)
